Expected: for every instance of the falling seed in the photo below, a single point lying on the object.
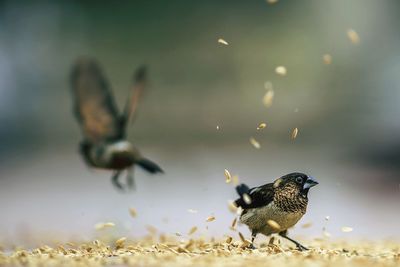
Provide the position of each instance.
(327, 218)
(271, 241)
(222, 41)
(210, 219)
(239, 211)
(294, 133)
(353, 36)
(228, 176)
(268, 98)
(254, 143)
(232, 207)
(151, 229)
(178, 234)
(327, 59)
(132, 212)
(242, 237)
(192, 230)
(100, 226)
(217, 127)
(235, 180)
(247, 199)
(274, 225)
(326, 234)
(307, 225)
(120, 242)
(233, 224)
(261, 126)
(192, 211)
(281, 70)
(346, 229)
(272, 1)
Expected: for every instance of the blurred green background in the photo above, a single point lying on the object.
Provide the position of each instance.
(346, 112)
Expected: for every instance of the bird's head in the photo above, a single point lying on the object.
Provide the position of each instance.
(296, 181)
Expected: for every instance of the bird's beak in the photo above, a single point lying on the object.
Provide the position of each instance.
(310, 183)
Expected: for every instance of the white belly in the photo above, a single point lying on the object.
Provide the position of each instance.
(257, 219)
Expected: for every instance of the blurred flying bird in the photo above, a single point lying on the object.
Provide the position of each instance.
(105, 143)
(275, 207)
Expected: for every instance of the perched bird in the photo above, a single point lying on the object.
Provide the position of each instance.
(275, 207)
(105, 143)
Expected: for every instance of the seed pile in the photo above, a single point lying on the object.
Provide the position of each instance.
(168, 251)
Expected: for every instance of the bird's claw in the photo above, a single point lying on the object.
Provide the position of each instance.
(251, 246)
(302, 248)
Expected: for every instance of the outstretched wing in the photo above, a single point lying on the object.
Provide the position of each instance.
(130, 111)
(94, 105)
(257, 196)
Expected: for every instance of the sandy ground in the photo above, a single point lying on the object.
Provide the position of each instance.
(198, 252)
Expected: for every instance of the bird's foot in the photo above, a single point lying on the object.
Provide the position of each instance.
(130, 180)
(116, 183)
(300, 247)
(251, 246)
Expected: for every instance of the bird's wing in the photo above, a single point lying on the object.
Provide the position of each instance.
(94, 105)
(259, 197)
(130, 111)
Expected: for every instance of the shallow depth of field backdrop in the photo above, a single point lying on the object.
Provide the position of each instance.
(347, 113)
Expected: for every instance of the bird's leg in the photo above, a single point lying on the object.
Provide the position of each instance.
(115, 181)
(130, 180)
(298, 245)
(253, 236)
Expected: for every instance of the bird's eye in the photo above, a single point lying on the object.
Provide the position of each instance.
(299, 180)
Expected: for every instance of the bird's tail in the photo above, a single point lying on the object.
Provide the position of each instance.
(149, 166)
(242, 189)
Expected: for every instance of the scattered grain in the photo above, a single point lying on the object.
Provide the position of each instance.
(346, 229)
(228, 177)
(255, 143)
(233, 224)
(353, 36)
(261, 126)
(307, 225)
(281, 70)
(235, 180)
(232, 207)
(327, 59)
(192, 230)
(192, 211)
(295, 131)
(100, 226)
(120, 243)
(268, 98)
(132, 212)
(222, 41)
(210, 219)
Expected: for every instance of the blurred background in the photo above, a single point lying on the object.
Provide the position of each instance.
(347, 113)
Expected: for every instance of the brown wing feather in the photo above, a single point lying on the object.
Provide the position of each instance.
(94, 105)
(136, 91)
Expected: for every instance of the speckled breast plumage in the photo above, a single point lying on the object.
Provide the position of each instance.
(287, 208)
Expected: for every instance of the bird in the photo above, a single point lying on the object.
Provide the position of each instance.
(275, 207)
(104, 128)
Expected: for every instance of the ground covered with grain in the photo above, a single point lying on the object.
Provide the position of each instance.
(202, 252)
